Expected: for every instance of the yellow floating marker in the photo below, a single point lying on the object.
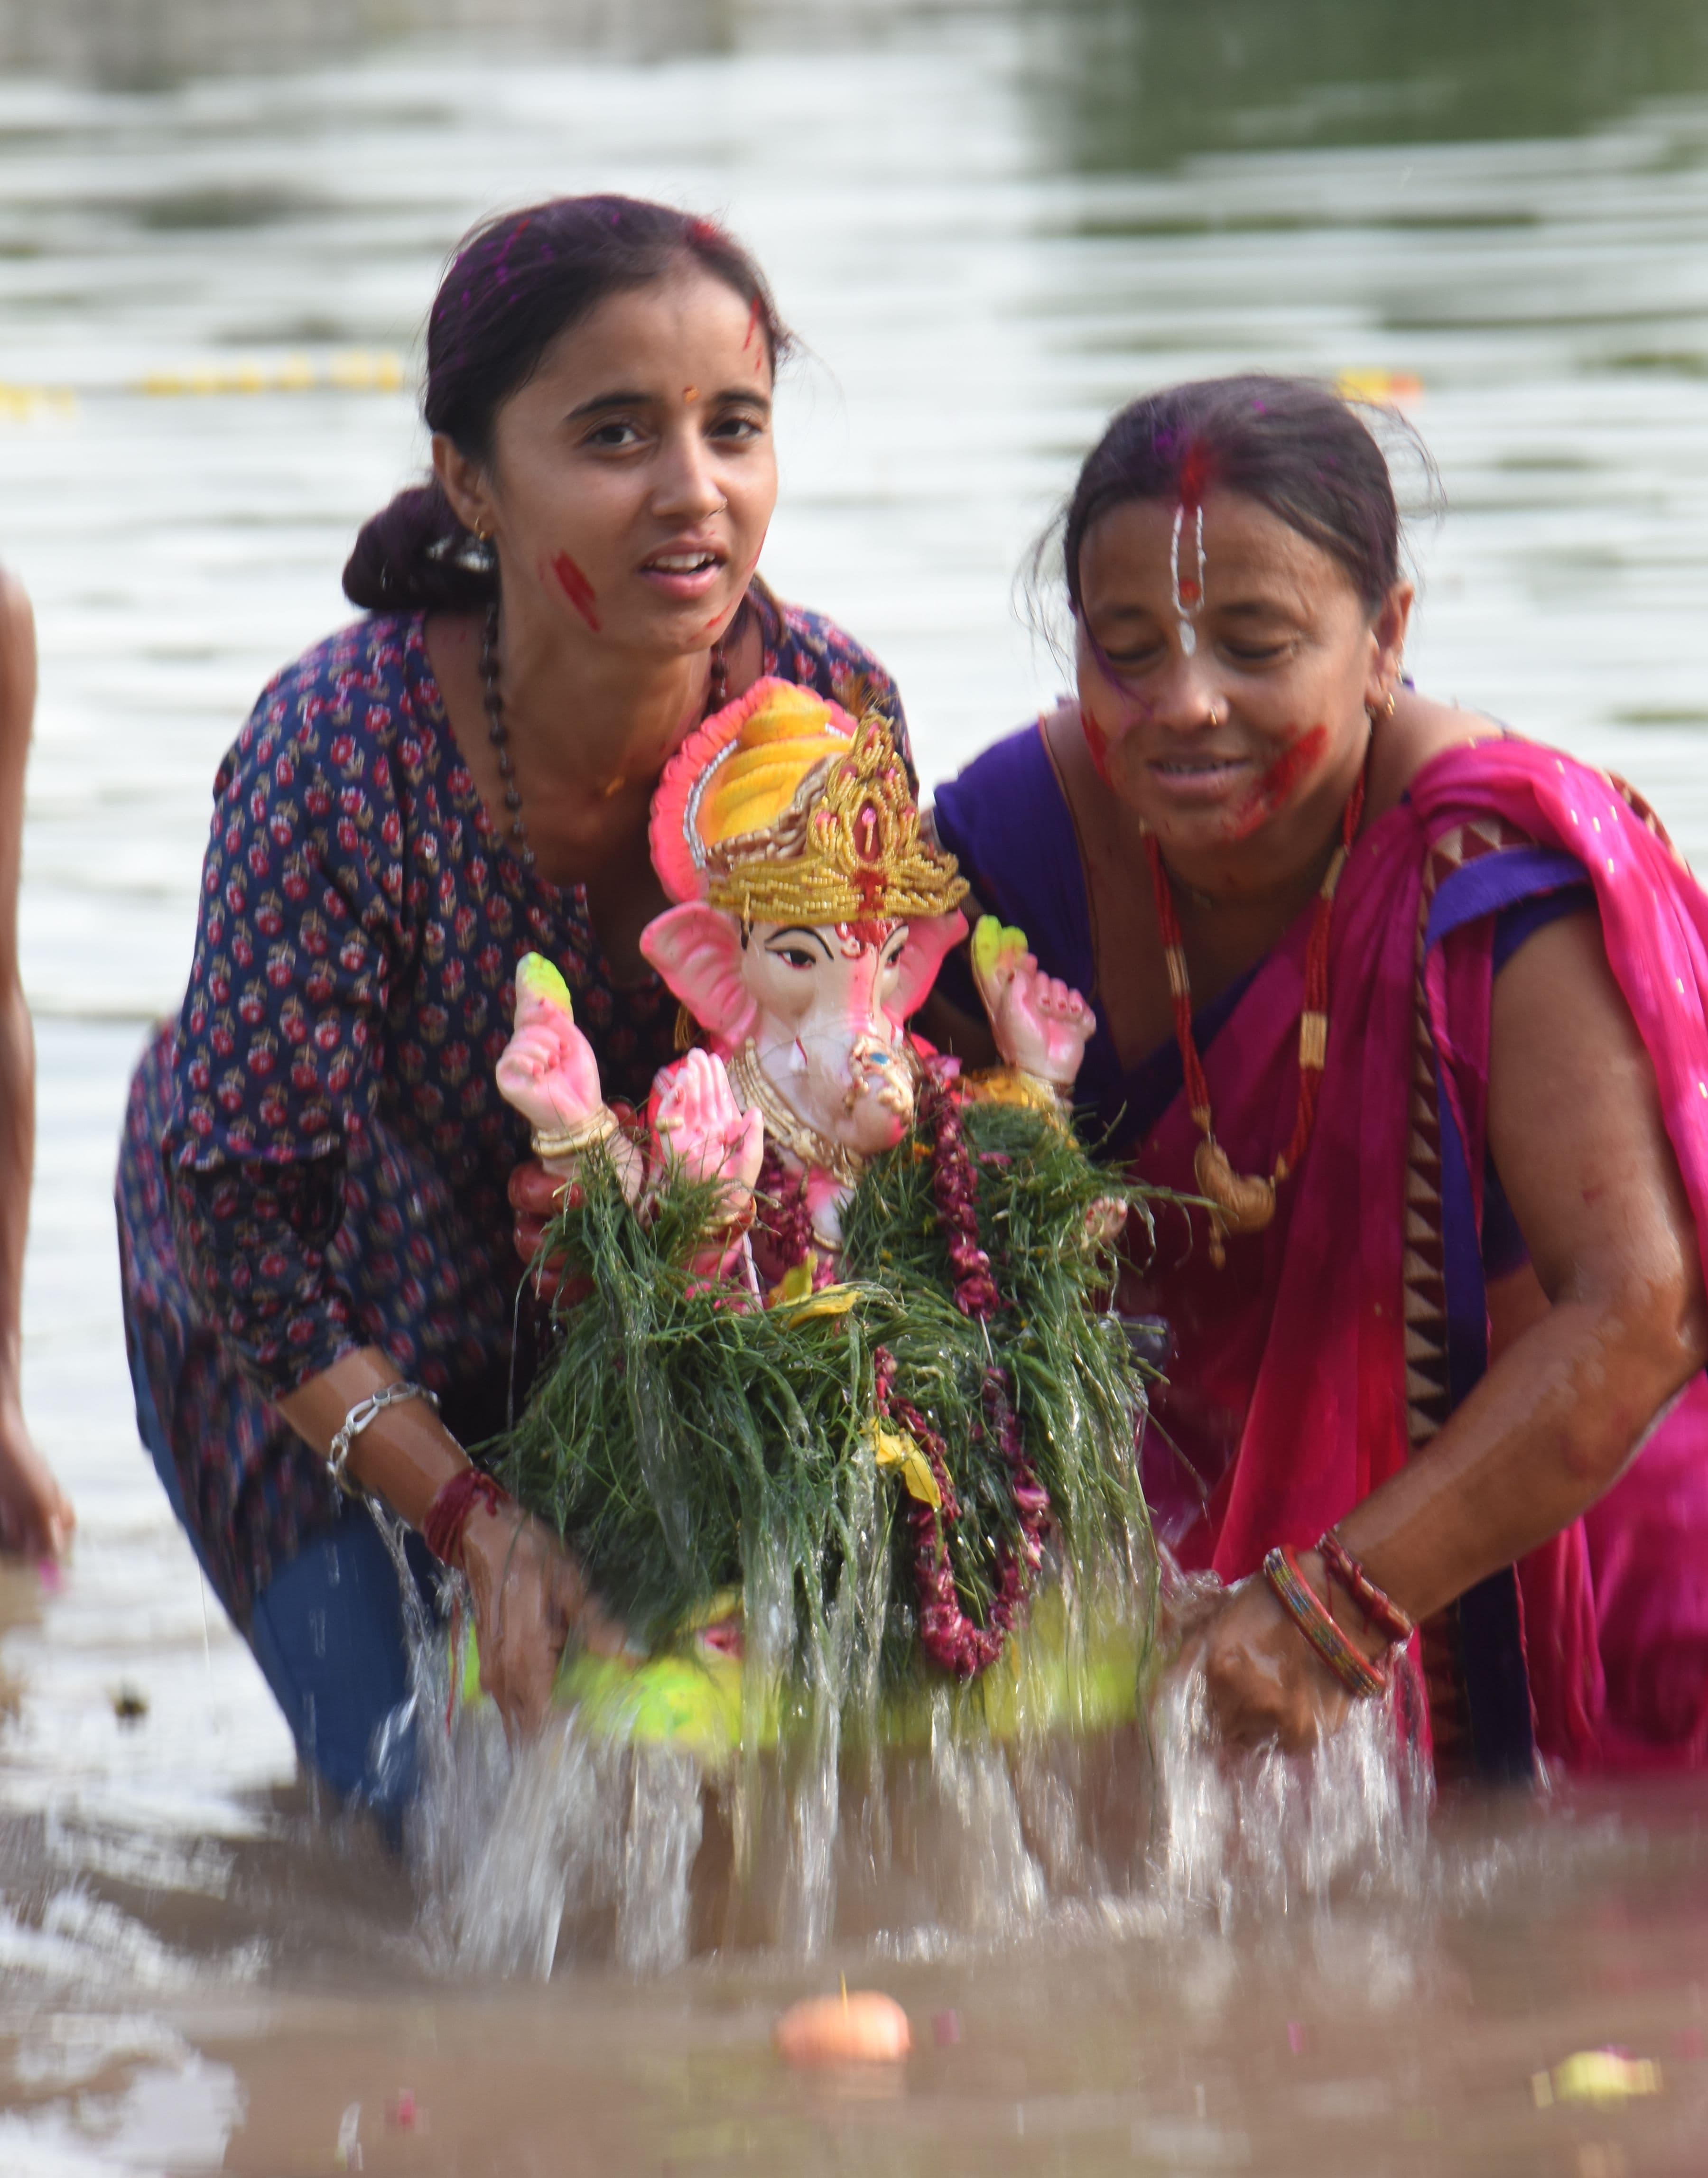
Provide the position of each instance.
(26, 404)
(1596, 2076)
(362, 371)
(357, 370)
(1381, 389)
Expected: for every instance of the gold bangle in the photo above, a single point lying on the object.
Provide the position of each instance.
(598, 1127)
(1013, 1084)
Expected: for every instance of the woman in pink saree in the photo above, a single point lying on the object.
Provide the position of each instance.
(1420, 1004)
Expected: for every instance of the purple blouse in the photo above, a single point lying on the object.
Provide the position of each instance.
(316, 1154)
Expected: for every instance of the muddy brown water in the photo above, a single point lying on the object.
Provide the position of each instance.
(990, 224)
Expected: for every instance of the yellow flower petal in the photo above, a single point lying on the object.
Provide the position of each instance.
(829, 1300)
(795, 1285)
(896, 1449)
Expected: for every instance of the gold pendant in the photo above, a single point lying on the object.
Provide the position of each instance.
(1240, 1202)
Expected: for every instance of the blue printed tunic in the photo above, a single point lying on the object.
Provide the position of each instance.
(315, 1154)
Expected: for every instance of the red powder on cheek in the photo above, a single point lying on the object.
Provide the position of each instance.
(576, 588)
(1097, 745)
(1277, 785)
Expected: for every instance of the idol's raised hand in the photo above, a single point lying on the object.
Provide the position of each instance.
(1040, 1024)
(702, 1128)
(549, 1073)
(548, 1070)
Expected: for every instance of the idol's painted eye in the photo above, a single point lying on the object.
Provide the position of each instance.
(798, 946)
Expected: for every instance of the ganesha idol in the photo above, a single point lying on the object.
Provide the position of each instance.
(811, 915)
(876, 1370)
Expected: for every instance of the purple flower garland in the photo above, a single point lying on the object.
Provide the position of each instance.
(954, 1188)
(781, 1215)
(948, 1636)
(951, 1640)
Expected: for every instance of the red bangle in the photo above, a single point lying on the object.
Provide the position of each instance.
(442, 1529)
(1377, 1605)
(1308, 1612)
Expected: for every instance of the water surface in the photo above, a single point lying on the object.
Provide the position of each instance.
(990, 228)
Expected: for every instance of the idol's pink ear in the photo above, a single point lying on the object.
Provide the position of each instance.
(927, 941)
(697, 950)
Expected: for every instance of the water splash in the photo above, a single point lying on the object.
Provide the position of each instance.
(1264, 1832)
(581, 1845)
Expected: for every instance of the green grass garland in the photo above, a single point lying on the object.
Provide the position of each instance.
(685, 1448)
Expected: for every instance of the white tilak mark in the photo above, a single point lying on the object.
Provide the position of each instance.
(1189, 634)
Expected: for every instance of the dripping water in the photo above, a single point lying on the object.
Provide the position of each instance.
(580, 1847)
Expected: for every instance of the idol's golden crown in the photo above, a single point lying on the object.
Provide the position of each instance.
(795, 812)
(846, 850)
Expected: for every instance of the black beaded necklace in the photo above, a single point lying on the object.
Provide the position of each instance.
(498, 732)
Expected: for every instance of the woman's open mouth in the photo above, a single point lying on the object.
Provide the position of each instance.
(688, 573)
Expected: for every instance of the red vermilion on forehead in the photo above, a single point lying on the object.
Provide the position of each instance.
(870, 932)
(1276, 785)
(576, 588)
(1195, 481)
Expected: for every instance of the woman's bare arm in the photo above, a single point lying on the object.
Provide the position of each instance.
(528, 1593)
(35, 1516)
(1576, 1134)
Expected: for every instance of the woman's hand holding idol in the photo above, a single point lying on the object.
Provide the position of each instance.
(530, 1595)
(530, 1599)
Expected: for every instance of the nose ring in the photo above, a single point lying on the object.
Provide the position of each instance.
(1213, 715)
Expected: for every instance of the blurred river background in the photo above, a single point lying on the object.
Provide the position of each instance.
(221, 224)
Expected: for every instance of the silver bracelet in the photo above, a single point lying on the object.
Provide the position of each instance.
(363, 1412)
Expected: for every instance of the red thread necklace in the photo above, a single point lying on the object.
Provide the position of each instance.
(1242, 1203)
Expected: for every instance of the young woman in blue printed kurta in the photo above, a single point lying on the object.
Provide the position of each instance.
(314, 1180)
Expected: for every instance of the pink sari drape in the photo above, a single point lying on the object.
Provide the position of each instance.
(1290, 1385)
